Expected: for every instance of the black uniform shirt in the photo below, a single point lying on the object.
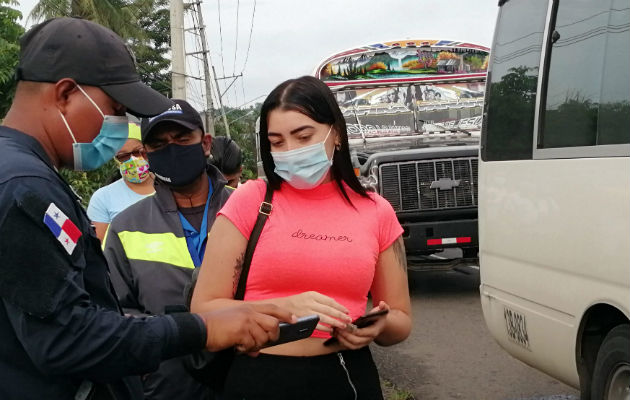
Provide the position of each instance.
(60, 323)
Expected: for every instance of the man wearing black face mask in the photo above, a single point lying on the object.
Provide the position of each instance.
(153, 246)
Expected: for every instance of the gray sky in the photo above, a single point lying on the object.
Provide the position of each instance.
(291, 37)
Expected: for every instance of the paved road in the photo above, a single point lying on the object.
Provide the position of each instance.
(451, 355)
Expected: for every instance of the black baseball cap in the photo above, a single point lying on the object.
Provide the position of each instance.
(90, 54)
(180, 113)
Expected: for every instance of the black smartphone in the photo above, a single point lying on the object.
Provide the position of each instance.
(361, 322)
(369, 318)
(302, 329)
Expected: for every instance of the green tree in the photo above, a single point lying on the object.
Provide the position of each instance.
(152, 49)
(476, 62)
(242, 124)
(144, 24)
(121, 16)
(86, 183)
(10, 32)
(510, 122)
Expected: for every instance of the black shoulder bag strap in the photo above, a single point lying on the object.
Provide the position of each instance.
(211, 368)
(263, 212)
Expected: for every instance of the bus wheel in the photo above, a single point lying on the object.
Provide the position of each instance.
(611, 376)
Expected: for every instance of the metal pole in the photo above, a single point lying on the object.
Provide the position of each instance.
(206, 72)
(178, 68)
(225, 122)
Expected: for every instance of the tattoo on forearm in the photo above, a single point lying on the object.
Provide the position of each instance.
(399, 251)
(238, 267)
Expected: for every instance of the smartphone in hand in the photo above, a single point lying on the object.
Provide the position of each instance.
(302, 329)
(361, 322)
(369, 318)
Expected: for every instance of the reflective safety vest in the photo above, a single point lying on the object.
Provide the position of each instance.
(147, 252)
(157, 247)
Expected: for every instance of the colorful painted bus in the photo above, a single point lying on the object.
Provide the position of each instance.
(413, 109)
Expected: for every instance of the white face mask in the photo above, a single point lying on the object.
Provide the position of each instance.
(303, 168)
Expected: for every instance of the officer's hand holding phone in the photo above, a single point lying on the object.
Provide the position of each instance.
(246, 327)
(363, 330)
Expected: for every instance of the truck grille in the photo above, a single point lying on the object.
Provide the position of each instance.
(407, 185)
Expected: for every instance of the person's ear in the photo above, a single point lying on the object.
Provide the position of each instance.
(337, 141)
(206, 142)
(62, 92)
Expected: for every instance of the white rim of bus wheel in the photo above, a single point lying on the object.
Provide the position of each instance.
(619, 384)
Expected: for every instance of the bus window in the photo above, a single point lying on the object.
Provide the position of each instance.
(514, 73)
(577, 57)
(614, 111)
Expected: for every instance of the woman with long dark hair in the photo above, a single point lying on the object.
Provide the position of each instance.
(325, 246)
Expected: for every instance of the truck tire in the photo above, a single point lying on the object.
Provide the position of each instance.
(611, 376)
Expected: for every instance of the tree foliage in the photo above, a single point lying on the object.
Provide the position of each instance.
(242, 123)
(152, 49)
(144, 24)
(121, 16)
(510, 120)
(10, 32)
(86, 183)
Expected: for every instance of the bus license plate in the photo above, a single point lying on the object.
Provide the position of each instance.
(516, 327)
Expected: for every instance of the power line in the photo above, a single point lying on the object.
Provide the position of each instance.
(198, 49)
(241, 117)
(517, 53)
(193, 87)
(243, 87)
(244, 104)
(238, 6)
(212, 93)
(598, 31)
(594, 15)
(517, 39)
(221, 36)
(196, 97)
(561, 26)
(251, 29)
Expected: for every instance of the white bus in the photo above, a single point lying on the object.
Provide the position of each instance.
(554, 191)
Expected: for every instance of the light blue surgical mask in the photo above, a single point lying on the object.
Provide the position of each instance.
(303, 168)
(113, 135)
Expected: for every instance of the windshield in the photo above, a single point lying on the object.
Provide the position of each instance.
(411, 109)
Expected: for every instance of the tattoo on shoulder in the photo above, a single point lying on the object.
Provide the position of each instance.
(238, 268)
(399, 251)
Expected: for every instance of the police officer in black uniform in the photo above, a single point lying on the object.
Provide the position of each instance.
(62, 335)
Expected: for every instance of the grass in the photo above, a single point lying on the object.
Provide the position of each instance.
(391, 392)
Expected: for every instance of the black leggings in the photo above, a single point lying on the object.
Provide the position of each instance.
(344, 375)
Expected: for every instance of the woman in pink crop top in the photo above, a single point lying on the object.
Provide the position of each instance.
(325, 246)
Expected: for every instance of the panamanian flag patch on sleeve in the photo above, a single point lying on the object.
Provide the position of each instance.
(60, 225)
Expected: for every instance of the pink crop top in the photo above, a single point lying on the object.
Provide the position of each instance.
(314, 240)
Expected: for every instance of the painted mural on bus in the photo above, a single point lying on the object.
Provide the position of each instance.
(405, 60)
